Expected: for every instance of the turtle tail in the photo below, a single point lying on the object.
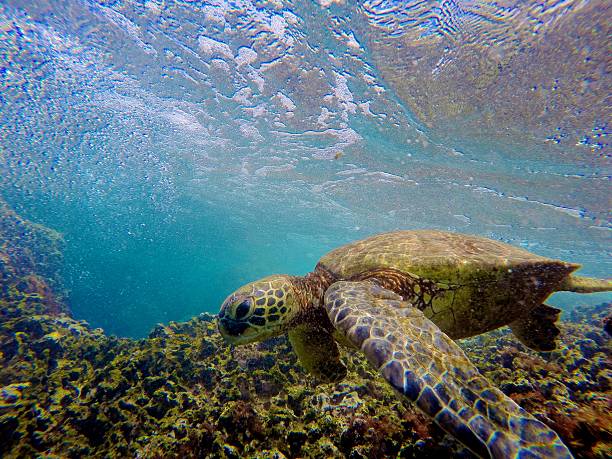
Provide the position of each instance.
(580, 284)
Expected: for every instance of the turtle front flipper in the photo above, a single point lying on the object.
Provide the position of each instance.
(428, 368)
(318, 352)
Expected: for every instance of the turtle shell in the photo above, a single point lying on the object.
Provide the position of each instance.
(465, 284)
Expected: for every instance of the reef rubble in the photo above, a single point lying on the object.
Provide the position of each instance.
(68, 390)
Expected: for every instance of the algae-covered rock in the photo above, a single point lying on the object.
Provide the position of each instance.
(71, 394)
(30, 261)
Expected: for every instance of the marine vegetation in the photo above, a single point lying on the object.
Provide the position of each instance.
(69, 390)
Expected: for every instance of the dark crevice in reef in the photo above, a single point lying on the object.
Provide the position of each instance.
(67, 390)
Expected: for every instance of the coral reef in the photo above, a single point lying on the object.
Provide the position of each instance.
(67, 390)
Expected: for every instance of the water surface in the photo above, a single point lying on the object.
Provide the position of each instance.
(184, 148)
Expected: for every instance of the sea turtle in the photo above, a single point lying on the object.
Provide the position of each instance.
(401, 298)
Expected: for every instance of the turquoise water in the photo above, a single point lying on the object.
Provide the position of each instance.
(185, 148)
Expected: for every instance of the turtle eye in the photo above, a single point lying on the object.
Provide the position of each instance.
(243, 309)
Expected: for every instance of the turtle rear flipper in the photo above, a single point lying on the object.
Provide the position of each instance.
(428, 368)
(581, 284)
(318, 352)
(537, 330)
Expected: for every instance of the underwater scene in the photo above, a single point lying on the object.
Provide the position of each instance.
(305, 229)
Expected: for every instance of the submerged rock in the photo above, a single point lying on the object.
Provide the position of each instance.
(30, 263)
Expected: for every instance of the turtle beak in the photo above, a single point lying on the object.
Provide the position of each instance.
(235, 331)
(231, 328)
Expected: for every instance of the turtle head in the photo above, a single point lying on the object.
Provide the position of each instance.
(259, 310)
